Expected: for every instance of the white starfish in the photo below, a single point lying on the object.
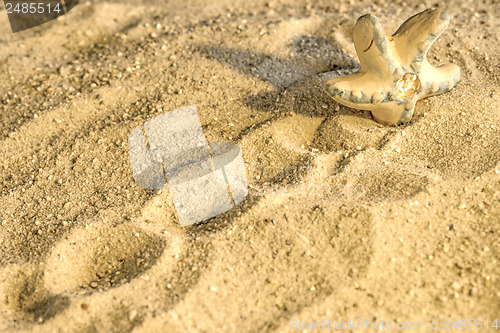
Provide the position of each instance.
(394, 71)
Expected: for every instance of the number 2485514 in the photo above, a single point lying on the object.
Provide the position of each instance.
(32, 8)
(470, 324)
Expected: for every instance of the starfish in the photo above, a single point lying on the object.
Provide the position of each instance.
(394, 72)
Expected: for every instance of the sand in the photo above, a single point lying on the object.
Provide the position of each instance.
(346, 219)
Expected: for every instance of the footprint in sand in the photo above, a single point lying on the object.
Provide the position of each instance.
(94, 261)
(26, 297)
(101, 257)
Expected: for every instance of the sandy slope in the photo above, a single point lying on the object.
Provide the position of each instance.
(365, 221)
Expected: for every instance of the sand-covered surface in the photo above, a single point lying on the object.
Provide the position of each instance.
(345, 219)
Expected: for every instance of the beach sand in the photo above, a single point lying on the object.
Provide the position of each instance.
(346, 219)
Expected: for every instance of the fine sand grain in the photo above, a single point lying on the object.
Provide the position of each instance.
(346, 219)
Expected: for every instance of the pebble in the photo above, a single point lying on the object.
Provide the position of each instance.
(132, 315)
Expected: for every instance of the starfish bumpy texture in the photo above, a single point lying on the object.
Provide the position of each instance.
(394, 71)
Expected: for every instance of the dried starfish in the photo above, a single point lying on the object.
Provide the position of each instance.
(394, 71)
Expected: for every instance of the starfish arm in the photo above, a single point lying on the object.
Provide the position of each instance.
(415, 36)
(393, 113)
(372, 47)
(437, 80)
(359, 90)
